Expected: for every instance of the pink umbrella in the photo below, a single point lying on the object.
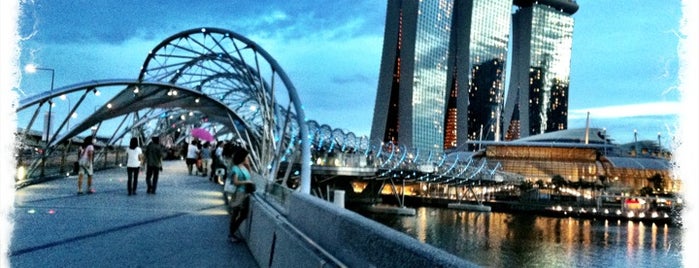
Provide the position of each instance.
(202, 134)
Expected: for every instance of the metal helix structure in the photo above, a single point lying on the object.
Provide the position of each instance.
(335, 147)
(236, 71)
(205, 77)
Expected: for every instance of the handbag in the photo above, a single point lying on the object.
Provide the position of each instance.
(250, 188)
(234, 197)
(229, 187)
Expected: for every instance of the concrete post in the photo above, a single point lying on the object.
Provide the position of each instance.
(339, 198)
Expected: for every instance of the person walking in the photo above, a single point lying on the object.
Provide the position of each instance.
(134, 160)
(218, 163)
(192, 155)
(154, 164)
(205, 158)
(85, 161)
(240, 177)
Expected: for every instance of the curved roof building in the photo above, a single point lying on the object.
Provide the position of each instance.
(581, 155)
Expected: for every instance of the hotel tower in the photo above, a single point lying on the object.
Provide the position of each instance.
(443, 71)
(409, 107)
(477, 58)
(542, 42)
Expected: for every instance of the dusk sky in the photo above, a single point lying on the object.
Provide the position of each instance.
(623, 70)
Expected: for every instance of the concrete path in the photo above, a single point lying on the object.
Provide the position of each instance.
(184, 225)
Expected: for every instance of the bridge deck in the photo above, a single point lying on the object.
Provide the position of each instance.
(184, 225)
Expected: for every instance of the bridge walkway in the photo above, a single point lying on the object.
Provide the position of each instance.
(185, 224)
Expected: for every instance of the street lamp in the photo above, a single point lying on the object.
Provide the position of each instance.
(31, 68)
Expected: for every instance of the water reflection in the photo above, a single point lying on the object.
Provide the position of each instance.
(523, 240)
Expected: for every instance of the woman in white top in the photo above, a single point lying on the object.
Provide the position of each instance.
(85, 159)
(134, 160)
(192, 153)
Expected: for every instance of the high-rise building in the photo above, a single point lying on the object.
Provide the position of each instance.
(442, 76)
(542, 41)
(477, 57)
(409, 107)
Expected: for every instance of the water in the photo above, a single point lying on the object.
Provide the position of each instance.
(523, 240)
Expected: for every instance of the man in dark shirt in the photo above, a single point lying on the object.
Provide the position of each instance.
(154, 163)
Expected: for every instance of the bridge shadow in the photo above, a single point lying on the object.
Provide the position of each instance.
(183, 225)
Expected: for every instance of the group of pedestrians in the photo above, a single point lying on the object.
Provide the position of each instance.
(151, 159)
(206, 160)
(199, 156)
(230, 158)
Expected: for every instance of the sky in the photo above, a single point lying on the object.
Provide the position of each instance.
(623, 69)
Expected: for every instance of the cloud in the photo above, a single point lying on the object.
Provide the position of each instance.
(86, 21)
(354, 78)
(621, 121)
(628, 110)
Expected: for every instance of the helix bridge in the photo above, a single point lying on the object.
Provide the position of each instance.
(395, 163)
(221, 81)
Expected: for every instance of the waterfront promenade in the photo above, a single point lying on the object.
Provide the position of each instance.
(184, 225)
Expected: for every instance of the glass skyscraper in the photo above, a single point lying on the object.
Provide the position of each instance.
(477, 57)
(442, 76)
(409, 107)
(541, 54)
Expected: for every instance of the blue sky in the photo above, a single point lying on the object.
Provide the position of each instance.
(624, 66)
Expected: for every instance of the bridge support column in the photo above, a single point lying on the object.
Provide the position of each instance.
(339, 198)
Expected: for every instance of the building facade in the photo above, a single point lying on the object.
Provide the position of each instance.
(409, 107)
(541, 53)
(579, 157)
(477, 59)
(443, 71)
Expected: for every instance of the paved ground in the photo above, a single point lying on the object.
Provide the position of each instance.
(184, 225)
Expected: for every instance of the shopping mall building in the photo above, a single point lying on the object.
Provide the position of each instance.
(586, 157)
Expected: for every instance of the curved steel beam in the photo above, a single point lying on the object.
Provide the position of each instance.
(210, 42)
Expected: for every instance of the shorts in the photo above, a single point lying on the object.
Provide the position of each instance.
(190, 161)
(87, 169)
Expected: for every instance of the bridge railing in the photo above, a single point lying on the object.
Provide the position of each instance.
(33, 166)
(312, 232)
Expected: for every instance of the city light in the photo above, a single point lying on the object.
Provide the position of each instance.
(30, 68)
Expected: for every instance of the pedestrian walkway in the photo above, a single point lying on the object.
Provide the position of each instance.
(185, 224)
